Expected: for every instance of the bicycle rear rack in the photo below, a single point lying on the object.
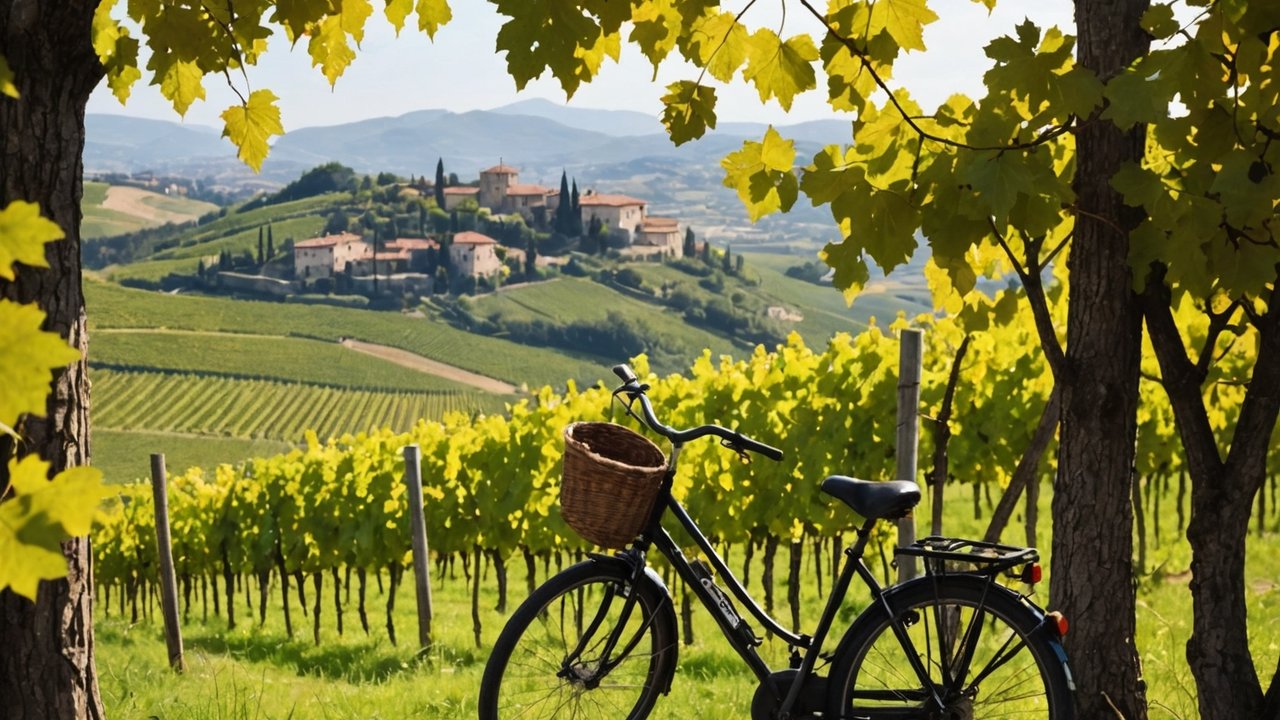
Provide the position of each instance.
(973, 556)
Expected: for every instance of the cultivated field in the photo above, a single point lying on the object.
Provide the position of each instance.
(115, 210)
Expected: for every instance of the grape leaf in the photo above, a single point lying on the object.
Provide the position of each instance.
(718, 42)
(251, 125)
(6, 80)
(655, 28)
(1158, 20)
(41, 514)
(998, 178)
(183, 84)
(28, 355)
(761, 173)
(780, 69)
(904, 20)
(23, 234)
(432, 15)
(851, 273)
(397, 11)
(689, 109)
(329, 48)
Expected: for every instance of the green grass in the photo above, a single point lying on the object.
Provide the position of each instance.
(111, 306)
(297, 360)
(582, 300)
(263, 409)
(95, 193)
(256, 672)
(126, 456)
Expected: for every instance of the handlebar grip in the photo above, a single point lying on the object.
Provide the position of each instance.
(624, 373)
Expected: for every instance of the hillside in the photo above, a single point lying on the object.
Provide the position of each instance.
(118, 209)
(627, 151)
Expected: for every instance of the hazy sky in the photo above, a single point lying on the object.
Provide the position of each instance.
(462, 71)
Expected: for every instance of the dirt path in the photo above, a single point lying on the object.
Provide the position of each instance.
(130, 201)
(427, 365)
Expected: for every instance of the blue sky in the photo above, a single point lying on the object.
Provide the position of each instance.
(461, 71)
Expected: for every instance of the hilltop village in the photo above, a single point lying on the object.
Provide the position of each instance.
(468, 238)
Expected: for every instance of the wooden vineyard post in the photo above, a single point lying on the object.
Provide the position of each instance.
(418, 523)
(164, 548)
(910, 364)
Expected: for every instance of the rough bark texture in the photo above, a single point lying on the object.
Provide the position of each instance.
(1092, 574)
(46, 648)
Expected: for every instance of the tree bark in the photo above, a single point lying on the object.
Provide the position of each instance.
(1092, 574)
(46, 662)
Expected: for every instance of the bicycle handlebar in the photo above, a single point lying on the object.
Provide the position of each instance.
(632, 387)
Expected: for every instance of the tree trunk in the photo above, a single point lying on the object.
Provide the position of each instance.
(47, 666)
(1092, 574)
(941, 438)
(1221, 499)
(1028, 467)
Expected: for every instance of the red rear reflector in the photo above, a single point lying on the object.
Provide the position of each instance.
(1032, 574)
(1059, 622)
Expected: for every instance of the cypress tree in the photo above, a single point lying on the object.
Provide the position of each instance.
(564, 210)
(531, 260)
(440, 183)
(577, 211)
(724, 259)
(690, 243)
(260, 246)
(271, 244)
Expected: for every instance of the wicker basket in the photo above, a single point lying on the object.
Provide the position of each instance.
(611, 479)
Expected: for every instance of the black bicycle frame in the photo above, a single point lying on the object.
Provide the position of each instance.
(739, 635)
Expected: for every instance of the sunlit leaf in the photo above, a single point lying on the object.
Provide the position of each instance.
(780, 69)
(28, 357)
(23, 234)
(251, 125)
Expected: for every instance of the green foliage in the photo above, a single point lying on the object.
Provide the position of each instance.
(36, 512)
(328, 178)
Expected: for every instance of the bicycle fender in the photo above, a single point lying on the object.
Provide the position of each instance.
(665, 618)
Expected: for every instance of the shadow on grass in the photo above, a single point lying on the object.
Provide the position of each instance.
(354, 662)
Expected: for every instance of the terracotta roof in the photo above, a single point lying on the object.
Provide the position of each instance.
(328, 241)
(467, 237)
(501, 169)
(461, 190)
(660, 223)
(529, 190)
(610, 200)
(413, 244)
(402, 254)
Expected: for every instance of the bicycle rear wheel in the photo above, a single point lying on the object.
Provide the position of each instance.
(586, 644)
(987, 655)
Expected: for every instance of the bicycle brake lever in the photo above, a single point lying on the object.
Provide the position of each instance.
(743, 455)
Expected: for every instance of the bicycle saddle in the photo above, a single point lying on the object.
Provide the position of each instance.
(879, 500)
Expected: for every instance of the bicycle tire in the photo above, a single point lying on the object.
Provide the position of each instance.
(1026, 671)
(527, 675)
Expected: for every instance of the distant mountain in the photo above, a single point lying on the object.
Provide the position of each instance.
(468, 142)
(609, 122)
(611, 150)
(122, 143)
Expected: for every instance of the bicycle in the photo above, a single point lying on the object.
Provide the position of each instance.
(600, 638)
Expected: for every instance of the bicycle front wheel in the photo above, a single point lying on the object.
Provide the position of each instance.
(586, 644)
(985, 653)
